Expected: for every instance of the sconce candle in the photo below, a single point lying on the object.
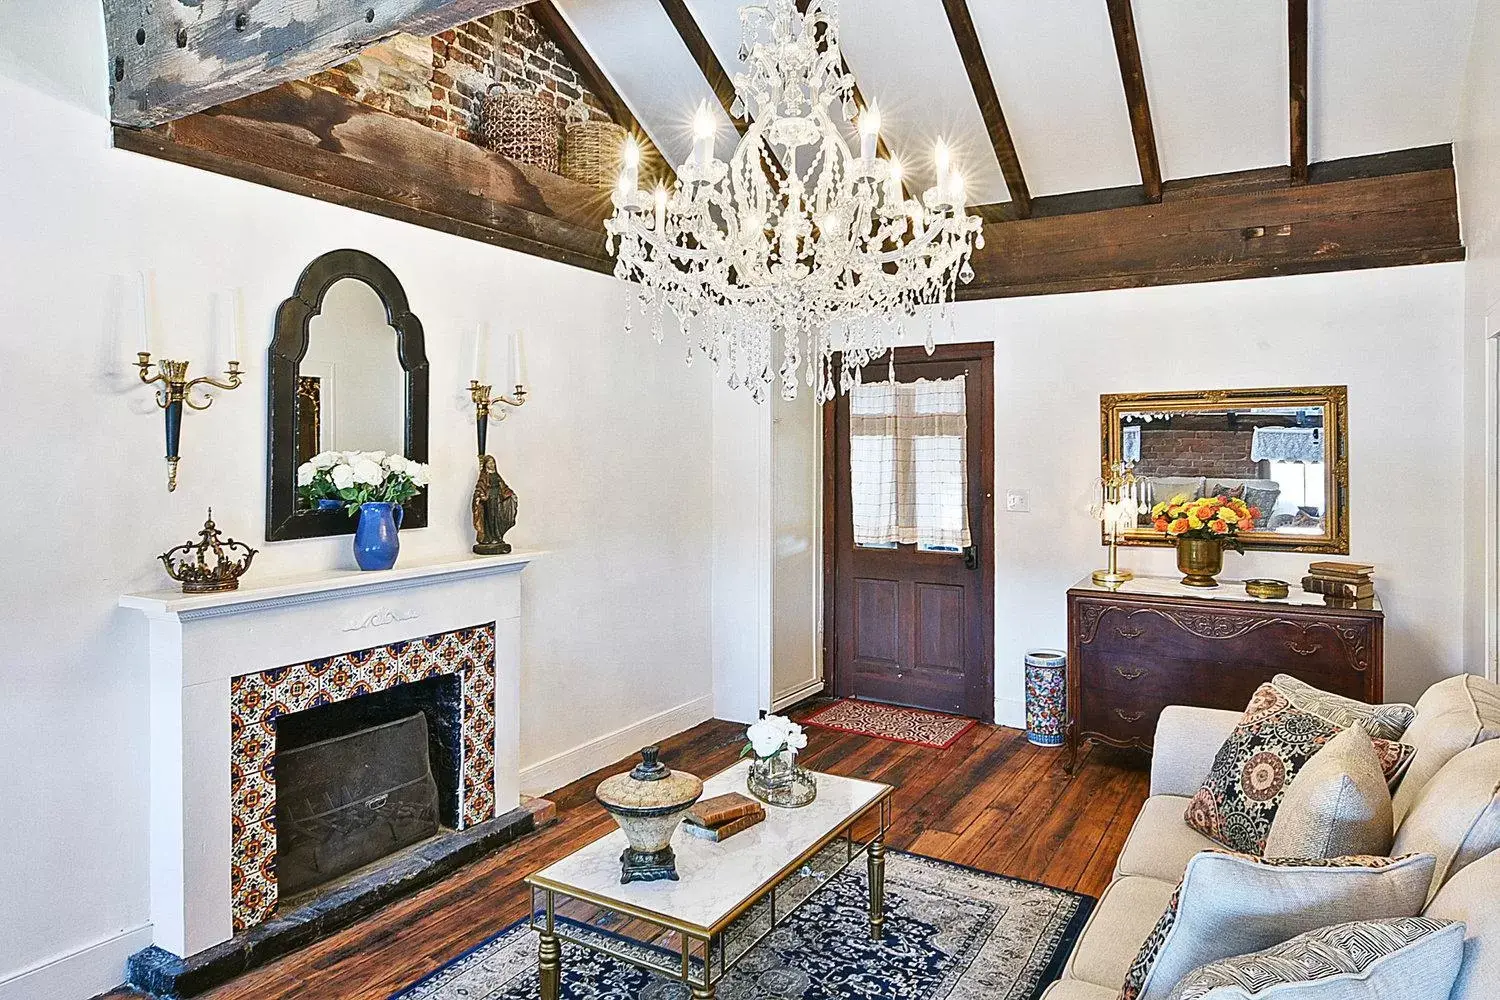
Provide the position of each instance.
(175, 391)
(487, 405)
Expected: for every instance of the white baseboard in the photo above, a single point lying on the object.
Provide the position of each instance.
(570, 765)
(807, 690)
(1010, 712)
(87, 972)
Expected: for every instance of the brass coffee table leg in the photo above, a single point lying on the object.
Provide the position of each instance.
(877, 889)
(549, 957)
(703, 993)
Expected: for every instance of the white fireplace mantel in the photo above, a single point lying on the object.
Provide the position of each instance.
(199, 642)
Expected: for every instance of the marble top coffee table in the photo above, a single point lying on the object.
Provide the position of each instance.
(729, 895)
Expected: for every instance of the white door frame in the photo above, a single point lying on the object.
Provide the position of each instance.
(1492, 494)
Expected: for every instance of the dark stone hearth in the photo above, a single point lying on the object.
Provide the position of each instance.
(168, 977)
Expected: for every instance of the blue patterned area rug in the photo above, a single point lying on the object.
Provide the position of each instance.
(951, 933)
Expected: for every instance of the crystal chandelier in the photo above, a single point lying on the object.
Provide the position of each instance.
(795, 239)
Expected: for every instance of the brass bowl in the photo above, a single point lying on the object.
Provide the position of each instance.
(1267, 589)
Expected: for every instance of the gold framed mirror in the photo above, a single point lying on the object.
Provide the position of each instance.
(1283, 451)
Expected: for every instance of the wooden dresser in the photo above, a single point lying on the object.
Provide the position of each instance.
(1153, 643)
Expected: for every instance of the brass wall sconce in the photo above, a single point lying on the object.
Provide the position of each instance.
(174, 391)
(487, 406)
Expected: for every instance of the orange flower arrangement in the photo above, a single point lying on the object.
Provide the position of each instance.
(1220, 517)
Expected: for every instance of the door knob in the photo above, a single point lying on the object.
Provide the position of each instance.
(971, 556)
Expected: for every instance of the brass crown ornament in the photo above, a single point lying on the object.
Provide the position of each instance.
(212, 565)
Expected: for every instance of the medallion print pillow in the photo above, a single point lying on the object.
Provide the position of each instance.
(1235, 904)
(1250, 775)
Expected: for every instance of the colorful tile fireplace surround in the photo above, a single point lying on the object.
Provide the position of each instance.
(256, 699)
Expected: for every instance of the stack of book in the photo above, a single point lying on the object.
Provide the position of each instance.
(1342, 584)
(723, 816)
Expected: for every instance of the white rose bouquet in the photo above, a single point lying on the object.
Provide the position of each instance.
(772, 735)
(350, 478)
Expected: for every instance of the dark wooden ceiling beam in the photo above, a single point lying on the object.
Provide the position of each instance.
(1128, 51)
(703, 54)
(546, 14)
(170, 60)
(313, 142)
(983, 84)
(1296, 11)
(1376, 211)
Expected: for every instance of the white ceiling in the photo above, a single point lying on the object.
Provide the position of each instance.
(1384, 75)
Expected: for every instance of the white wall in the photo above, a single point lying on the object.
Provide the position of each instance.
(1477, 161)
(610, 457)
(1391, 335)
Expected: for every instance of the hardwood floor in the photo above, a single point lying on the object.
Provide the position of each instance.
(992, 800)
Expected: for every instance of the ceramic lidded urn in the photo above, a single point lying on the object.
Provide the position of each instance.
(648, 803)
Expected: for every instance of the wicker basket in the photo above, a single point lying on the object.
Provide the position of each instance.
(521, 126)
(591, 149)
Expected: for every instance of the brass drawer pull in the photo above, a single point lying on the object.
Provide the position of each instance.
(1130, 675)
(1130, 716)
(1303, 650)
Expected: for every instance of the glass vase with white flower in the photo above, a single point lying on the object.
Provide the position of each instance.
(775, 778)
(372, 485)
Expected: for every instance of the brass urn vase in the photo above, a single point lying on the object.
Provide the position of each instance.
(648, 803)
(1200, 560)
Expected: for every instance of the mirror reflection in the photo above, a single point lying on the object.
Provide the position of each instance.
(351, 388)
(1273, 458)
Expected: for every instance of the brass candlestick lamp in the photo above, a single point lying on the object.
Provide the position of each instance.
(1116, 505)
(174, 391)
(487, 406)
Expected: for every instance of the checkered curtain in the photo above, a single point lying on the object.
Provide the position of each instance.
(908, 460)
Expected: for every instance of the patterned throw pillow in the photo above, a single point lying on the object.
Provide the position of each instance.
(1233, 904)
(1415, 958)
(1239, 799)
(1384, 722)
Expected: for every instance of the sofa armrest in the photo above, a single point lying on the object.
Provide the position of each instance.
(1187, 740)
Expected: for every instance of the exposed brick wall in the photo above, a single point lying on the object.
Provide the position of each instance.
(1169, 451)
(527, 58)
(441, 81)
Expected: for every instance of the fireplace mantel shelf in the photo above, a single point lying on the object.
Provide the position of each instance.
(321, 586)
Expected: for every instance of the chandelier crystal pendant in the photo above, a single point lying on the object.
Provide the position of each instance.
(796, 245)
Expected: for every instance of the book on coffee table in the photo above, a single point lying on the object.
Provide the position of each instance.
(721, 809)
(726, 829)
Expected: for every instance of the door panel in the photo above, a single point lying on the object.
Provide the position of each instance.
(876, 632)
(911, 626)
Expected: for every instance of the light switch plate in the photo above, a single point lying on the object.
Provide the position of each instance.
(1018, 501)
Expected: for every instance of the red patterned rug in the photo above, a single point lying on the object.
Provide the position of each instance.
(891, 722)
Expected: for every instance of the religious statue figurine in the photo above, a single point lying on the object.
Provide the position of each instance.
(494, 510)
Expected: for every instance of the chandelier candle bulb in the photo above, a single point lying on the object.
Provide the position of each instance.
(869, 133)
(661, 211)
(630, 172)
(703, 137)
(941, 158)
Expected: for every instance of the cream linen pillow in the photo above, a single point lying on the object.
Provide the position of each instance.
(1457, 816)
(1233, 904)
(1452, 716)
(1339, 804)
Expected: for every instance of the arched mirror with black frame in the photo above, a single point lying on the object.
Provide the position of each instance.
(348, 372)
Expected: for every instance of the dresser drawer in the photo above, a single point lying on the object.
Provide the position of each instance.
(1122, 718)
(1335, 654)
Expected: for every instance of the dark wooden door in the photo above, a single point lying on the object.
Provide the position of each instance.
(908, 626)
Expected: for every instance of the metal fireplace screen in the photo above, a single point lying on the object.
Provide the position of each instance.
(345, 802)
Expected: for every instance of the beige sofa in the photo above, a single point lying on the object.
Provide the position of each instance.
(1451, 717)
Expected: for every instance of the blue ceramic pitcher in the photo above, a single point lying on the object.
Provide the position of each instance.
(376, 543)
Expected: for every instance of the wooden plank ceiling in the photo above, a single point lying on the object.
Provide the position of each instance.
(1112, 143)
